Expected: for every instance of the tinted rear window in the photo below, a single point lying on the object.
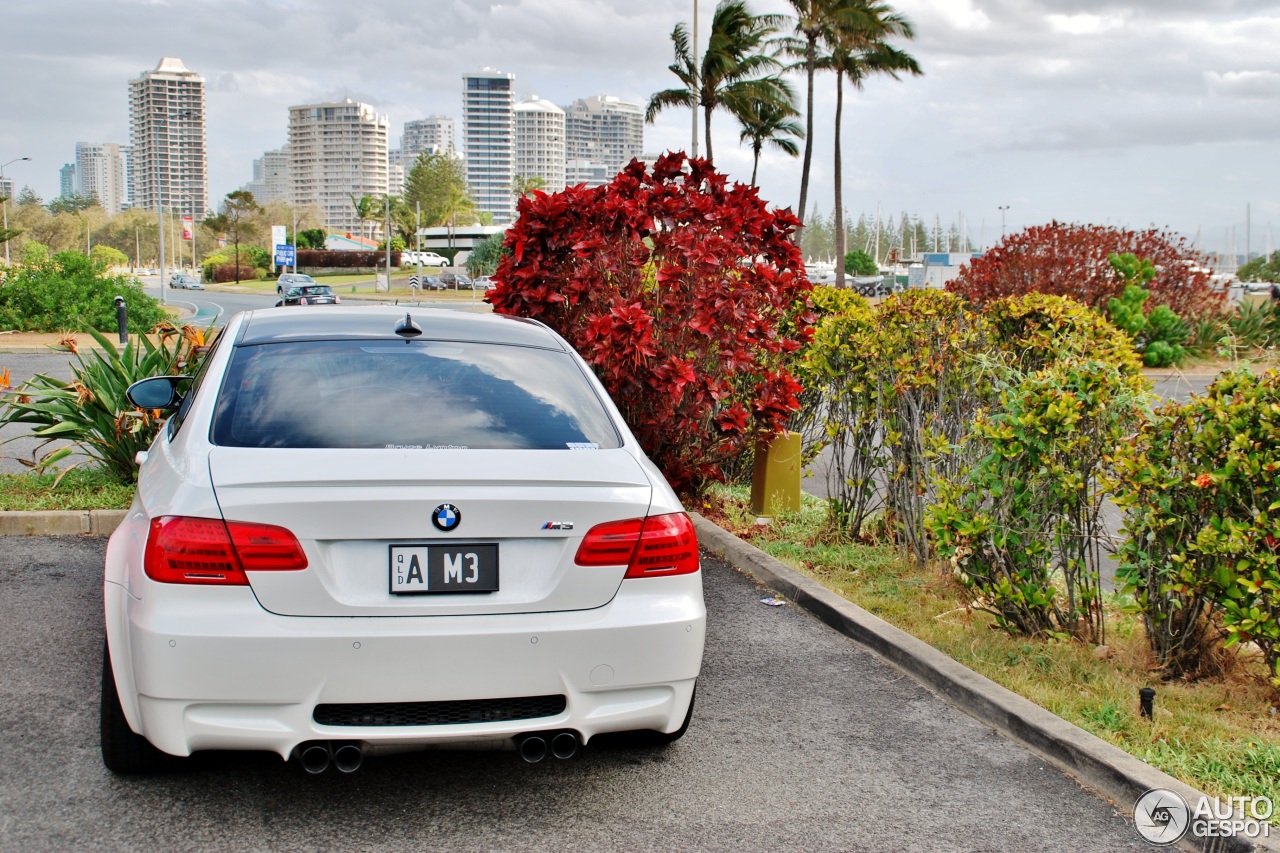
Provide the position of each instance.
(421, 394)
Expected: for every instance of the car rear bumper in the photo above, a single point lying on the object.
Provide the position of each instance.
(208, 668)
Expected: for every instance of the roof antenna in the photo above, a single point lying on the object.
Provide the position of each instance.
(406, 328)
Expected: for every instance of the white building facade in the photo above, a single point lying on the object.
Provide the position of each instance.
(336, 152)
(540, 144)
(602, 134)
(432, 135)
(169, 165)
(488, 134)
(100, 173)
(271, 177)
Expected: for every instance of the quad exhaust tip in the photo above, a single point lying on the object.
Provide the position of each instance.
(535, 747)
(316, 757)
(348, 758)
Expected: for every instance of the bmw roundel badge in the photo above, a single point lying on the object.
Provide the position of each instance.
(446, 517)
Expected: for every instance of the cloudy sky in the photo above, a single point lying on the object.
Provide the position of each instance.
(1163, 112)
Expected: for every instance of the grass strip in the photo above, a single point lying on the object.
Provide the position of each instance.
(80, 488)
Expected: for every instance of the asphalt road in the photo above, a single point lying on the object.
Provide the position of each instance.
(801, 740)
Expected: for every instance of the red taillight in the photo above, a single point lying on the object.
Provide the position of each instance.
(657, 546)
(210, 551)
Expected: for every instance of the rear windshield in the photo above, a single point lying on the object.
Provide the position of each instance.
(415, 395)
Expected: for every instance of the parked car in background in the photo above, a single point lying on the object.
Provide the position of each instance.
(292, 279)
(309, 294)
(482, 283)
(352, 527)
(433, 282)
(455, 280)
(427, 259)
(182, 281)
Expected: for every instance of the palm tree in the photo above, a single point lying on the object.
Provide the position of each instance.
(523, 186)
(367, 209)
(734, 70)
(811, 18)
(771, 122)
(856, 39)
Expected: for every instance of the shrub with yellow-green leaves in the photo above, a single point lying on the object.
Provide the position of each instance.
(843, 413)
(1201, 487)
(1021, 528)
(928, 388)
(1039, 329)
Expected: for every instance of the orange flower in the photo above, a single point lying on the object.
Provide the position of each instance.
(4, 379)
(69, 341)
(1204, 481)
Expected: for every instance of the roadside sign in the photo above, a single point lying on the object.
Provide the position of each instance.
(285, 255)
(413, 280)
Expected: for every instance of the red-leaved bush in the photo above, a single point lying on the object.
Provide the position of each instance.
(1071, 260)
(672, 285)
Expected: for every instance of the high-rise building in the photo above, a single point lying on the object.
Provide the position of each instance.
(67, 180)
(100, 172)
(540, 142)
(169, 164)
(602, 134)
(337, 151)
(488, 134)
(271, 177)
(433, 135)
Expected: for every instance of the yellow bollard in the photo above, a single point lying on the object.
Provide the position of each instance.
(775, 479)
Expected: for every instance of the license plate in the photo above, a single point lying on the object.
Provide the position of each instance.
(435, 569)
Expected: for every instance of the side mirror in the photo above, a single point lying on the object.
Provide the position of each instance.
(156, 392)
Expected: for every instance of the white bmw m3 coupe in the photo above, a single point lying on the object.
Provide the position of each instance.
(362, 531)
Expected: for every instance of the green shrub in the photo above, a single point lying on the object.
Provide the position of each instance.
(1027, 518)
(831, 300)
(34, 253)
(928, 388)
(840, 407)
(1036, 330)
(858, 262)
(108, 256)
(91, 410)
(1158, 335)
(1204, 526)
(69, 292)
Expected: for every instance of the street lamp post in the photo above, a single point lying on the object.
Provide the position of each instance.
(1002, 208)
(6, 208)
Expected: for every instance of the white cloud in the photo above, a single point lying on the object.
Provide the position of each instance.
(1085, 24)
(1244, 85)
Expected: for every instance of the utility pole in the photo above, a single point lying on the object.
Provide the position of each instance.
(387, 236)
(695, 87)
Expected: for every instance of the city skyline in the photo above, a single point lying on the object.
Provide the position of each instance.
(1128, 113)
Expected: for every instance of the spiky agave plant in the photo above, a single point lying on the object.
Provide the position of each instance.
(90, 411)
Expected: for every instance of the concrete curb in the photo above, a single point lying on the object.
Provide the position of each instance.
(1107, 769)
(80, 522)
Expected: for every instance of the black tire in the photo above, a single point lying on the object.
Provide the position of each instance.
(123, 751)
